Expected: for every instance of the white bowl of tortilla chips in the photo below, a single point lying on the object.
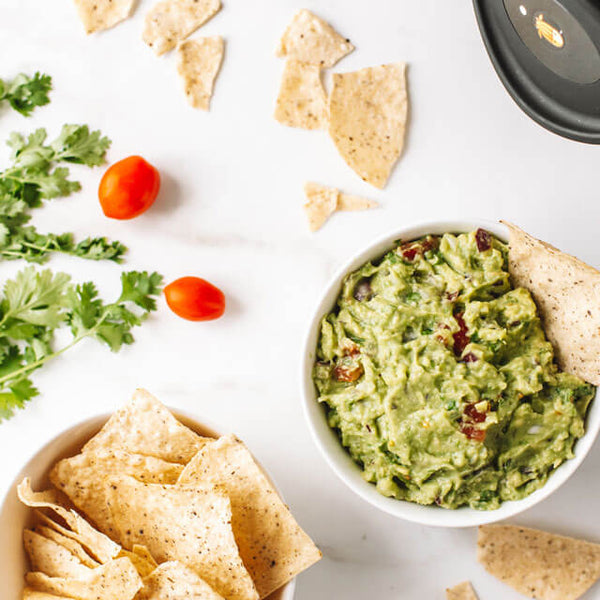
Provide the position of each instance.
(143, 506)
(550, 275)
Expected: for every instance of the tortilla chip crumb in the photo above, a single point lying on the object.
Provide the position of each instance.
(199, 64)
(462, 591)
(311, 40)
(170, 21)
(97, 15)
(539, 564)
(323, 201)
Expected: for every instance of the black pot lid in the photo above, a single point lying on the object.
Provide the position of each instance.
(547, 54)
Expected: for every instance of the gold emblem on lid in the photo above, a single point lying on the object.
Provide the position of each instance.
(548, 32)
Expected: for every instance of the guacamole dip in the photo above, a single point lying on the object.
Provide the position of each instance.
(437, 375)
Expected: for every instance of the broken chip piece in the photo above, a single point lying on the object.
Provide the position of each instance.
(311, 40)
(539, 564)
(462, 591)
(323, 201)
(97, 15)
(199, 63)
(302, 101)
(170, 21)
(367, 119)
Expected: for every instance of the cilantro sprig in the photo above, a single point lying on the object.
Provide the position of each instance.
(36, 304)
(33, 177)
(24, 93)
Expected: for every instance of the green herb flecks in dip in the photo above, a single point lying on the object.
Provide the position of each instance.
(439, 379)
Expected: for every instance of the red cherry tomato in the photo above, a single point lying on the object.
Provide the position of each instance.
(128, 188)
(195, 299)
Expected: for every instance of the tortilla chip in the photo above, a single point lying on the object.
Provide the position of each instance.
(347, 202)
(302, 101)
(31, 594)
(323, 201)
(73, 546)
(567, 293)
(174, 581)
(463, 591)
(145, 426)
(99, 545)
(272, 545)
(144, 563)
(97, 15)
(311, 40)
(198, 66)
(86, 477)
(51, 558)
(116, 579)
(171, 21)
(367, 119)
(539, 564)
(321, 204)
(192, 526)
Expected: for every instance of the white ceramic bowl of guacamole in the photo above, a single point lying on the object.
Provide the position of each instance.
(337, 456)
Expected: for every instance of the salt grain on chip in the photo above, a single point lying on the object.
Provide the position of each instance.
(567, 293)
(368, 112)
(302, 101)
(198, 65)
(97, 15)
(272, 545)
(311, 40)
(539, 564)
(170, 21)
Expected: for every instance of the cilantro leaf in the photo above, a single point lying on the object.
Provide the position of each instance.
(35, 297)
(24, 93)
(36, 304)
(77, 144)
(140, 287)
(34, 177)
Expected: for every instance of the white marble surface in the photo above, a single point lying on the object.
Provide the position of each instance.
(230, 211)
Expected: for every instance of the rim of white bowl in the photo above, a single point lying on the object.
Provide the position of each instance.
(90, 426)
(336, 455)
